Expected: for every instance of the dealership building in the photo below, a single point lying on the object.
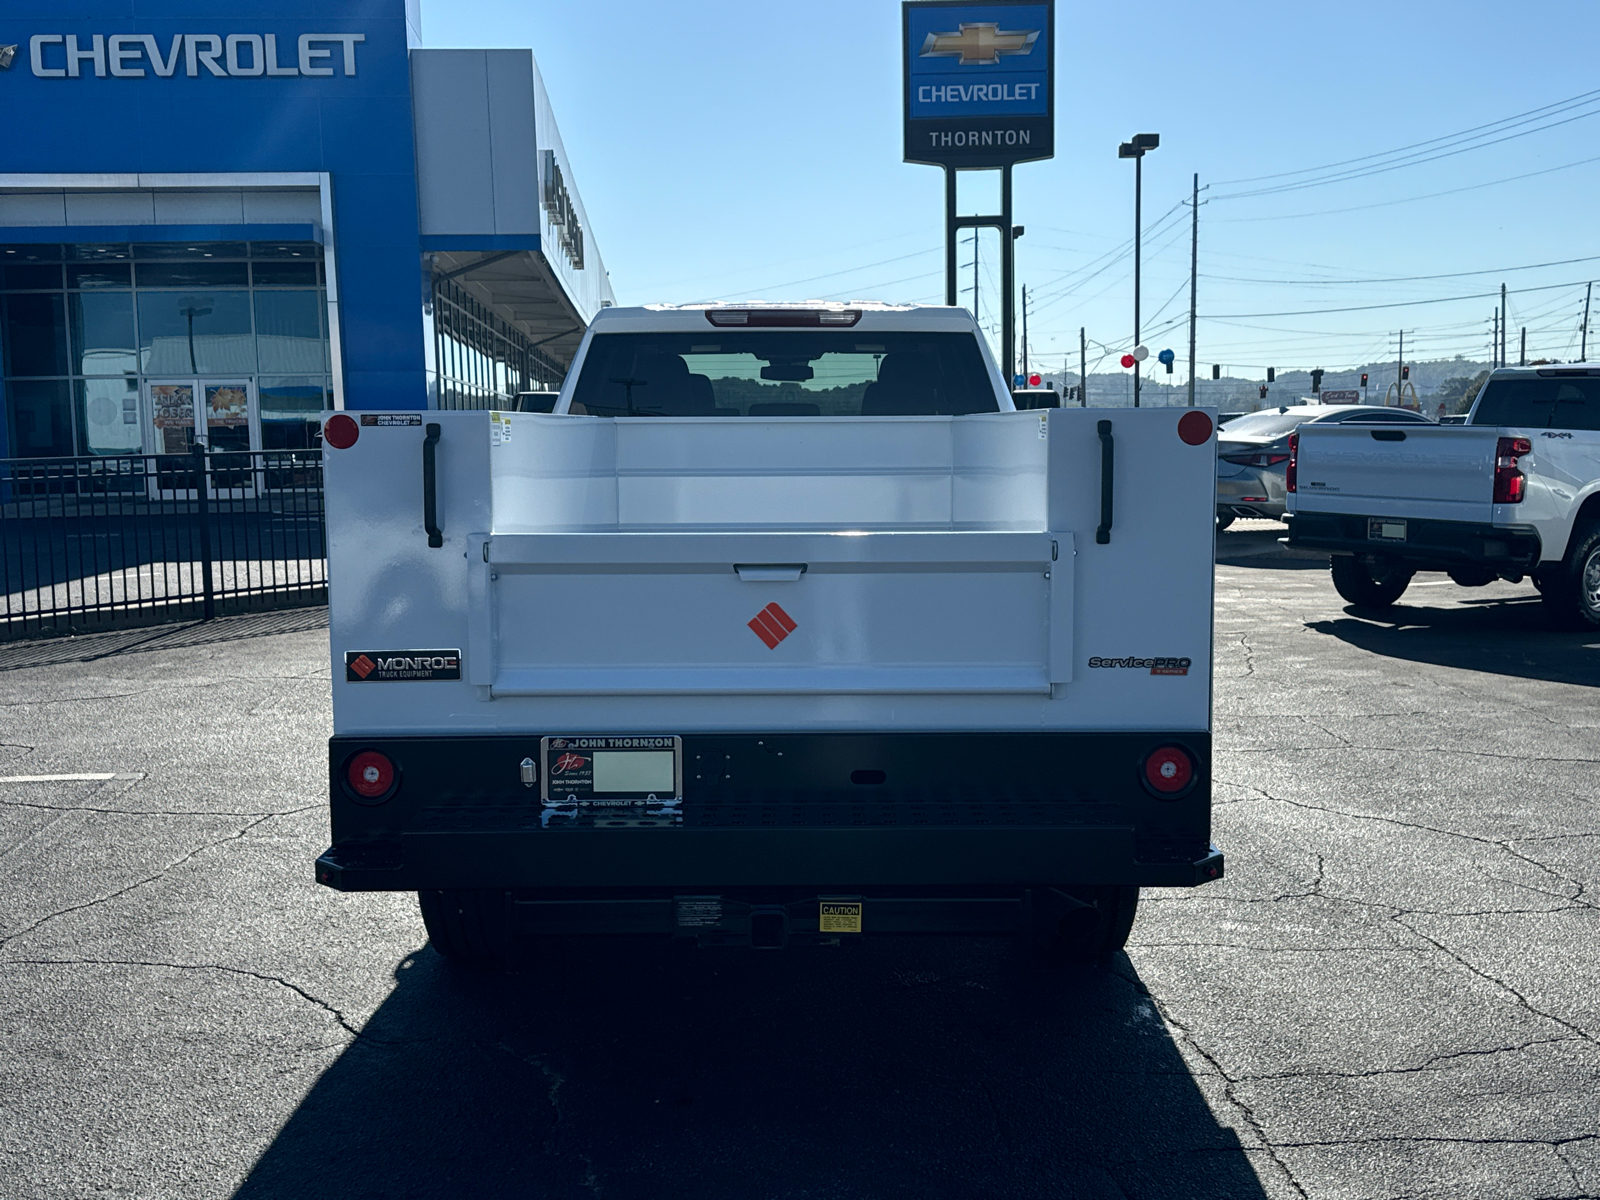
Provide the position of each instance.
(218, 220)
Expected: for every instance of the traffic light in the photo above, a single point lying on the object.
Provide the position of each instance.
(1363, 379)
(1405, 371)
(1263, 391)
(1216, 370)
(1316, 381)
(1272, 375)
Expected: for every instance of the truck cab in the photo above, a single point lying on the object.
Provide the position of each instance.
(783, 627)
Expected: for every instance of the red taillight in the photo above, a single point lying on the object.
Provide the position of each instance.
(1255, 460)
(1294, 461)
(340, 432)
(370, 774)
(1510, 484)
(1168, 770)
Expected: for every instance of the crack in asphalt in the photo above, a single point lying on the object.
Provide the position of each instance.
(336, 1013)
(123, 891)
(1573, 900)
(1522, 1000)
(552, 1141)
(1430, 1064)
(149, 812)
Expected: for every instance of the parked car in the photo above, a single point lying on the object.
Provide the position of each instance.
(1253, 453)
(1512, 494)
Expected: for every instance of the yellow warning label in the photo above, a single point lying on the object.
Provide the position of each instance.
(839, 916)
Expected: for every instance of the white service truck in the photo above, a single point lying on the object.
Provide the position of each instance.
(1513, 493)
(784, 627)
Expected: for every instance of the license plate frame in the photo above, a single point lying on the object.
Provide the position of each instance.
(609, 771)
(1386, 529)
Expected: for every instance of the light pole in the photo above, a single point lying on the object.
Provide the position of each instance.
(1136, 150)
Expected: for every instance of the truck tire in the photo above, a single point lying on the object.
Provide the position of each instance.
(1571, 592)
(1224, 520)
(1088, 931)
(1371, 586)
(469, 927)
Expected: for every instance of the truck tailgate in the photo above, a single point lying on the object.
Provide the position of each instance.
(1443, 472)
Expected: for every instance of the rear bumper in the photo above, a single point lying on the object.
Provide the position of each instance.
(849, 860)
(1253, 492)
(1429, 546)
(983, 814)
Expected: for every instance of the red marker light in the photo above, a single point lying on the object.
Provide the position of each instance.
(1169, 770)
(370, 774)
(340, 432)
(1194, 428)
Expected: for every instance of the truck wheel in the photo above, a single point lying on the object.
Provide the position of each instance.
(469, 927)
(1372, 586)
(1087, 932)
(1224, 520)
(1571, 592)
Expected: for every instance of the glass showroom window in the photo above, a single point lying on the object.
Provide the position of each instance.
(83, 328)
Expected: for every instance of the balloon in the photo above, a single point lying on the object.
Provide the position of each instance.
(1128, 360)
(1140, 353)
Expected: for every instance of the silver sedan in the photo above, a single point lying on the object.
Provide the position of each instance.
(1253, 453)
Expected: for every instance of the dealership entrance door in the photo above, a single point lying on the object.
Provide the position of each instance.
(219, 413)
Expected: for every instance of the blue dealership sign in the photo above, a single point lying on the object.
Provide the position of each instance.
(978, 82)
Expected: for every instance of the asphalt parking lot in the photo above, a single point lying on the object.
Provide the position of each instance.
(1395, 992)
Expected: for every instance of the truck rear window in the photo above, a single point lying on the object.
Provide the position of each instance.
(1538, 403)
(792, 373)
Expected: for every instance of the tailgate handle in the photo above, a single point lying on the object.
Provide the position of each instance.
(1102, 535)
(430, 491)
(770, 572)
(1388, 435)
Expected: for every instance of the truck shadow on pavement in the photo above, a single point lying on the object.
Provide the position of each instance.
(1504, 635)
(916, 1068)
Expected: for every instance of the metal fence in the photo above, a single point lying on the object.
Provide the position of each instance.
(112, 541)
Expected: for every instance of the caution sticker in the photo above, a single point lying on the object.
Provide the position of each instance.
(839, 916)
(499, 429)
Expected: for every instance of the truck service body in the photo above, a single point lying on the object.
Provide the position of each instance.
(1512, 493)
(707, 653)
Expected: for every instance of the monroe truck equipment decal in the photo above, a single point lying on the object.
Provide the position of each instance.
(772, 625)
(401, 666)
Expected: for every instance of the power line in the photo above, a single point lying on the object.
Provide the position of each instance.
(1317, 312)
(1417, 149)
(1471, 187)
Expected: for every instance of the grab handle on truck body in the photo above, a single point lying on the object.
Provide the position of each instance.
(430, 496)
(1102, 535)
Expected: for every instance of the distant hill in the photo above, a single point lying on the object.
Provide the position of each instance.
(1441, 378)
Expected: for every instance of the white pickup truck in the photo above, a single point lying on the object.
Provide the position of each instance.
(1513, 493)
(784, 627)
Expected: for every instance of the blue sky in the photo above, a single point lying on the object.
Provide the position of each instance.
(752, 150)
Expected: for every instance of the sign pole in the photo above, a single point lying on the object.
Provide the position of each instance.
(1008, 305)
(950, 236)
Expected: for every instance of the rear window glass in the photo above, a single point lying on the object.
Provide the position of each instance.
(1539, 403)
(1265, 424)
(788, 373)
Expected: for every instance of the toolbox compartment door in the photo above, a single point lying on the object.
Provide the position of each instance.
(772, 613)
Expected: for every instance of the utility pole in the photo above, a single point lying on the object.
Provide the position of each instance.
(1494, 342)
(1522, 354)
(975, 278)
(1024, 335)
(1399, 373)
(1505, 318)
(1194, 275)
(1583, 352)
(1083, 369)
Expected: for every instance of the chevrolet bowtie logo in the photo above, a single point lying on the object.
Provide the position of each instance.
(7, 54)
(982, 42)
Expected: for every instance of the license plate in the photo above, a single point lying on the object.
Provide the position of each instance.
(611, 771)
(1383, 529)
